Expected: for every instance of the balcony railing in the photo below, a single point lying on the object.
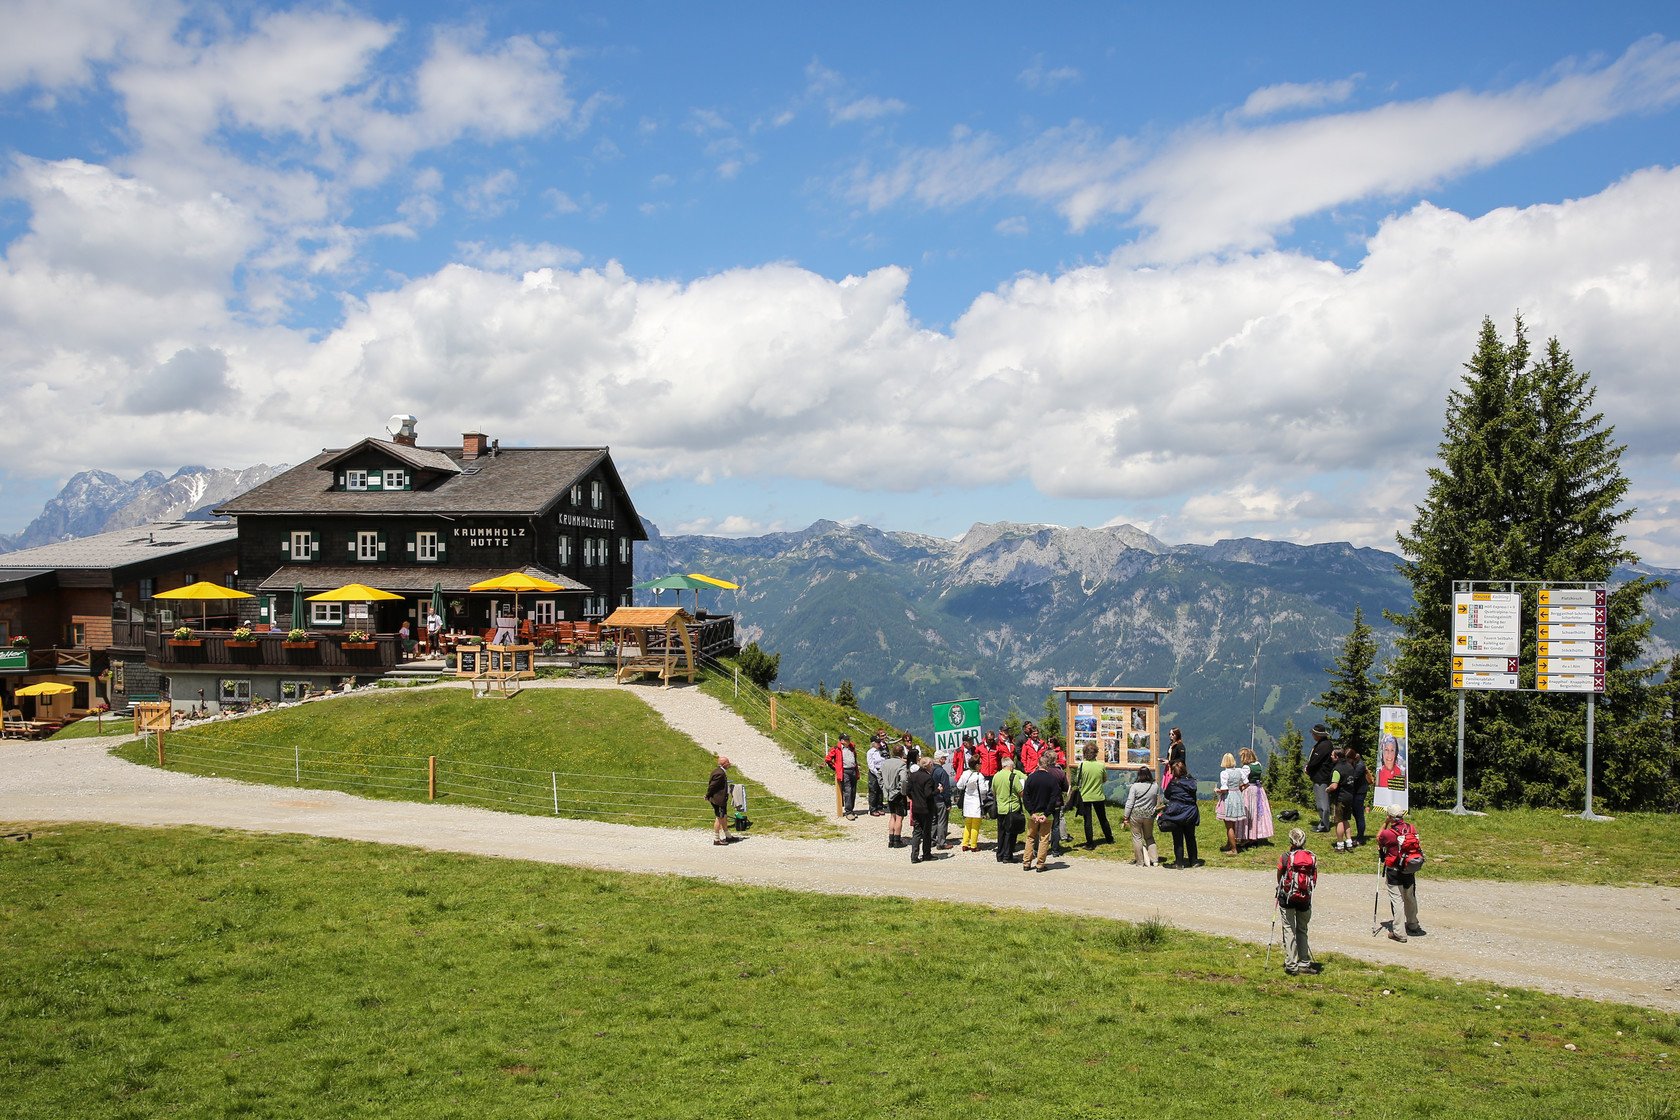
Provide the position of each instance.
(321, 652)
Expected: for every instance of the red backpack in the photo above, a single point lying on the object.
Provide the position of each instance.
(1299, 873)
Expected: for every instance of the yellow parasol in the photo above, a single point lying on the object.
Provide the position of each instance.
(515, 582)
(354, 593)
(715, 582)
(204, 591)
(45, 688)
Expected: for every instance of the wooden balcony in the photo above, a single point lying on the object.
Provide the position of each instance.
(323, 652)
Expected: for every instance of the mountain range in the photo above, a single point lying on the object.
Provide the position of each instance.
(1242, 631)
(98, 501)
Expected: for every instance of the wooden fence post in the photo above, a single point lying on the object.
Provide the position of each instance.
(160, 748)
(431, 777)
(772, 711)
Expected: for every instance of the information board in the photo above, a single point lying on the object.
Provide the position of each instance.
(1573, 630)
(1487, 631)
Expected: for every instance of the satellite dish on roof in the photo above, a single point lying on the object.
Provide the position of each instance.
(402, 425)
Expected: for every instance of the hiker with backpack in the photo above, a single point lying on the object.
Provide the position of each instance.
(1401, 854)
(1297, 875)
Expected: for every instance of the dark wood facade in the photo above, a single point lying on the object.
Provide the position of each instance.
(404, 519)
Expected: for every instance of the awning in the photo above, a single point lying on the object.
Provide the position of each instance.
(409, 581)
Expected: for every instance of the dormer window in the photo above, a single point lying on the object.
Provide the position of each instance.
(396, 480)
(355, 480)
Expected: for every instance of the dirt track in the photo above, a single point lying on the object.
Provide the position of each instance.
(1599, 942)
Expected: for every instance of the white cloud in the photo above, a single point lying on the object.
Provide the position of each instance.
(57, 43)
(1213, 187)
(1215, 396)
(866, 109)
(490, 195)
(733, 525)
(1286, 96)
(1038, 77)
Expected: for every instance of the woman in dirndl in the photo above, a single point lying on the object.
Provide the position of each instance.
(1231, 809)
(1257, 826)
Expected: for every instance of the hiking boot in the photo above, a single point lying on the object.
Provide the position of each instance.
(1393, 936)
(1290, 969)
(1416, 931)
(1313, 967)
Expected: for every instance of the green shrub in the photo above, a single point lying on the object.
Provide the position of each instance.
(758, 666)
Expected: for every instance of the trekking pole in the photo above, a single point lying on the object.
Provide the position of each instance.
(1377, 898)
(1271, 936)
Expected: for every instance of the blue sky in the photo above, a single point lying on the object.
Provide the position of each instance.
(1205, 269)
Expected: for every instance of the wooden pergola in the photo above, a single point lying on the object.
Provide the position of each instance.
(671, 656)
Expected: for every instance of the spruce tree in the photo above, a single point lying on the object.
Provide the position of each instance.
(846, 697)
(1529, 487)
(1352, 704)
(1285, 779)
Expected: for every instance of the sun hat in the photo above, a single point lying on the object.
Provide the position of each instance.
(1395, 811)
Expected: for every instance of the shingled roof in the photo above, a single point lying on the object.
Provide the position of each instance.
(517, 481)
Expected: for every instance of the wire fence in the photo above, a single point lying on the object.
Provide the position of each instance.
(806, 741)
(621, 798)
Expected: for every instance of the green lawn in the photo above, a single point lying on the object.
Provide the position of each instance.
(602, 753)
(1520, 845)
(91, 727)
(192, 973)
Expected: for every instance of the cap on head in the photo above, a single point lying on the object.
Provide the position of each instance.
(1396, 812)
(1320, 729)
(1297, 838)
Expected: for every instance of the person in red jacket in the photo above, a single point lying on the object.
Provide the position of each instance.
(1031, 748)
(988, 756)
(843, 758)
(1398, 846)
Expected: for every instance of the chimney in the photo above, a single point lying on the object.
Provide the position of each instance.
(473, 444)
(402, 429)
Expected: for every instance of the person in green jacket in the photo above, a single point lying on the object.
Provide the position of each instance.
(1006, 788)
(1089, 776)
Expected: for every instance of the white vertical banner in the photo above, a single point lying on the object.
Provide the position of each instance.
(1394, 763)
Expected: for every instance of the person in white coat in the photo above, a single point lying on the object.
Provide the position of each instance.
(971, 788)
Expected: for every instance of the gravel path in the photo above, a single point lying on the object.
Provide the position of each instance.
(1616, 943)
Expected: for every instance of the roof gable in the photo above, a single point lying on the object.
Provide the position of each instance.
(420, 459)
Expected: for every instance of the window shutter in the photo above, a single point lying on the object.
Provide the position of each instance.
(343, 481)
(440, 544)
(381, 539)
(286, 544)
(352, 543)
(314, 545)
(413, 547)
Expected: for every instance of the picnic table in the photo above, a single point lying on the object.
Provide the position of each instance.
(29, 728)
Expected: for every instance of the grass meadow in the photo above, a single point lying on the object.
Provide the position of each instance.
(194, 973)
(596, 754)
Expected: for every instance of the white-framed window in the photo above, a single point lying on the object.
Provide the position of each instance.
(355, 480)
(367, 545)
(542, 612)
(396, 480)
(425, 547)
(624, 550)
(326, 614)
(565, 553)
(577, 494)
(597, 494)
(236, 691)
(589, 552)
(301, 548)
(294, 690)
